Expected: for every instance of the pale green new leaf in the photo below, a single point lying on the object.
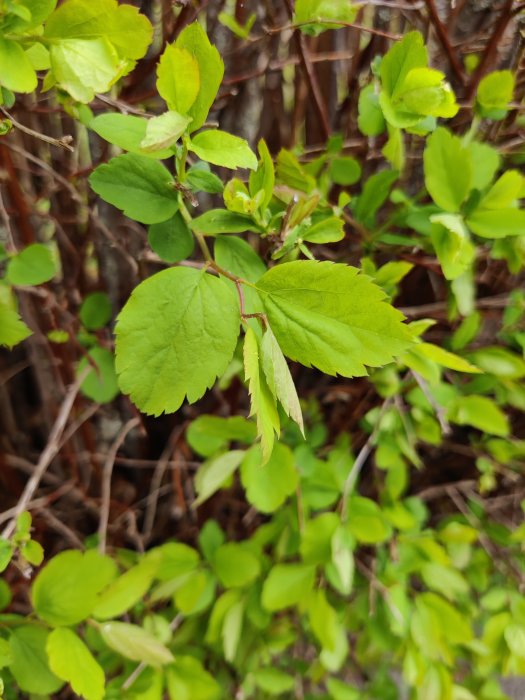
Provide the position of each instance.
(163, 131)
(16, 71)
(175, 336)
(12, 329)
(504, 192)
(404, 56)
(139, 186)
(495, 91)
(448, 170)
(71, 660)
(126, 590)
(187, 679)
(263, 404)
(178, 79)
(211, 70)
(135, 643)
(331, 317)
(33, 265)
(487, 161)
(213, 474)
(451, 241)
(481, 413)
(126, 131)
(497, 223)
(287, 585)
(333, 10)
(220, 148)
(278, 377)
(445, 358)
(269, 484)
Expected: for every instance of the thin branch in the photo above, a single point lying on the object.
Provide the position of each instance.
(64, 142)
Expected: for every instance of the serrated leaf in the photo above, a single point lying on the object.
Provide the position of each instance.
(331, 317)
(448, 170)
(178, 78)
(220, 148)
(164, 131)
(263, 405)
(211, 70)
(16, 72)
(278, 377)
(269, 483)
(71, 660)
(137, 185)
(12, 329)
(166, 351)
(135, 643)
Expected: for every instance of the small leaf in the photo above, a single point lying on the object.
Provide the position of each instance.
(214, 473)
(12, 329)
(287, 585)
(33, 552)
(220, 148)
(172, 240)
(207, 435)
(71, 660)
(33, 265)
(127, 590)
(235, 565)
(268, 484)
(95, 311)
(164, 131)
(100, 384)
(178, 78)
(126, 131)
(481, 413)
(16, 72)
(273, 681)
(30, 666)
(217, 221)
(495, 91)
(167, 351)
(445, 358)
(187, 679)
(345, 171)
(448, 170)
(135, 643)
(139, 186)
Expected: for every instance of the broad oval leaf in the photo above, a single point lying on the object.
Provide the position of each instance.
(448, 169)
(17, 72)
(287, 585)
(331, 317)
(71, 660)
(30, 667)
(135, 643)
(220, 148)
(178, 78)
(33, 265)
(127, 589)
(175, 336)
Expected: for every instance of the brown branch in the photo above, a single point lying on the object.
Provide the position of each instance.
(445, 41)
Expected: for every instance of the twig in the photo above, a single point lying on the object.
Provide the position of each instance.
(50, 451)
(107, 471)
(443, 37)
(440, 412)
(64, 142)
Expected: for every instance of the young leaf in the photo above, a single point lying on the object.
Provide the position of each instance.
(127, 132)
(207, 435)
(100, 384)
(16, 72)
(71, 660)
(370, 121)
(137, 185)
(220, 148)
(264, 177)
(135, 643)
(166, 350)
(345, 171)
(404, 56)
(216, 221)
(235, 565)
(287, 585)
(448, 170)
(187, 679)
(263, 404)
(12, 329)
(333, 10)
(329, 316)
(212, 475)
(268, 484)
(495, 91)
(211, 70)
(375, 193)
(451, 241)
(178, 79)
(33, 265)
(504, 192)
(278, 377)
(30, 666)
(239, 258)
(127, 590)
(95, 311)
(164, 131)
(497, 223)
(487, 160)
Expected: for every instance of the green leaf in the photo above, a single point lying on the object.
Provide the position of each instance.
(316, 538)
(135, 643)
(445, 358)
(487, 161)
(95, 311)
(164, 131)
(504, 192)
(328, 230)
(495, 91)
(331, 317)
(404, 56)
(211, 70)
(33, 265)
(515, 638)
(273, 681)
(448, 170)
(287, 585)
(220, 148)
(83, 67)
(71, 660)
(263, 179)
(366, 521)
(16, 72)
(500, 362)
(278, 377)
(239, 258)
(121, 25)
(100, 384)
(172, 240)
(497, 223)
(12, 329)
(178, 78)
(312, 10)
(269, 484)
(30, 666)
(374, 195)
(232, 630)
(481, 413)
(444, 580)
(200, 179)
(370, 121)
(33, 552)
(323, 620)
(39, 11)
(168, 351)
(235, 565)
(187, 679)
(66, 589)
(451, 241)
(125, 131)
(137, 185)
(178, 559)
(424, 92)
(213, 474)
(207, 435)
(263, 404)
(345, 171)
(127, 590)
(217, 221)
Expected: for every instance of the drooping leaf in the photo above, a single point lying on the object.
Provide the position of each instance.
(30, 666)
(178, 78)
(33, 265)
(137, 185)
(71, 661)
(448, 170)
(221, 148)
(166, 351)
(193, 39)
(331, 317)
